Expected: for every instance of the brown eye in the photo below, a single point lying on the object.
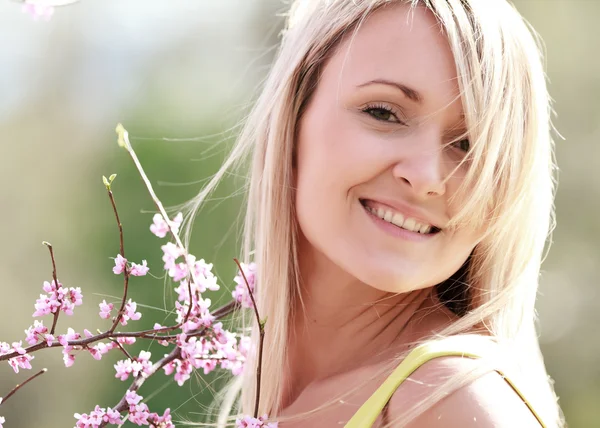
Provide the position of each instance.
(381, 113)
(463, 144)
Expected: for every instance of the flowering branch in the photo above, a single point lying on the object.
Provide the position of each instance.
(139, 380)
(220, 313)
(261, 329)
(200, 341)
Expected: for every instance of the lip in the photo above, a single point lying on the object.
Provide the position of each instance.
(402, 208)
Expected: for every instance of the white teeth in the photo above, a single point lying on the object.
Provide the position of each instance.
(409, 224)
(400, 221)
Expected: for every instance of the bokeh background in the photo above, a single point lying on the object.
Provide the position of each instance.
(180, 75)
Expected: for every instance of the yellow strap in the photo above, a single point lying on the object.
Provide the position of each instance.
(471, 346)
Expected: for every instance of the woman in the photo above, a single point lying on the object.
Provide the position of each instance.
(399, 200)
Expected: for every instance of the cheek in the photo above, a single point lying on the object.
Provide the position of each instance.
(333, 153)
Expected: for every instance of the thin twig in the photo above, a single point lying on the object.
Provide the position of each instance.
(122, 252)
(127, 354)
(261, 330)
(19, 386)
(57, 313)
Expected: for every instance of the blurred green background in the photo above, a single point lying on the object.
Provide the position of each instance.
(180, 75)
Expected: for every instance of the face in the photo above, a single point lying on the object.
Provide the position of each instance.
(378, 156)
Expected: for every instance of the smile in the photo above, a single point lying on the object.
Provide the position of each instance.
(398, 219)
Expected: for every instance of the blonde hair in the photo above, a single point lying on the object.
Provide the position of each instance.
(510, 179)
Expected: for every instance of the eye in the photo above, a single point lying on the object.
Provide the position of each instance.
(463, 144)
(382, 113)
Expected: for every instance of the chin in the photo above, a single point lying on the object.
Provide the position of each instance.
(394, 282)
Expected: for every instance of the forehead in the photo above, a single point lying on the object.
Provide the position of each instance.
(401, 44)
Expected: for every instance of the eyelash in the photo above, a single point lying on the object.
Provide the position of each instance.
(369, 108)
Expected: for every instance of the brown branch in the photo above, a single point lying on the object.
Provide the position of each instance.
(140, 379)
(261, 330)
(219, 313)
(122, 252)
(173, 355)
(190, 278)
(57, 313)
(127, 354)
(19, 386)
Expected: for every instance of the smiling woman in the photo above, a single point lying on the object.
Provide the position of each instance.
(399, 202)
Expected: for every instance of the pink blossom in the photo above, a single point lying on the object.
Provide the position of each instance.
(132, 398)
(71, 299)
(2, 421)
(98, 350)
(68, 359)
(49, 339)
(171, 252)
(120, 264)
(141, 365)
(130, 312)
(126, 340)
(179, 271)
(250, 422)
(163, 421)
(35, 331)
(241, 290)
(123, 369)
(182, 370)
(59, 298)
(105, 309)
(160, 227)
(204, 279)
(112, 417)
(64, 339)
(43, 306)
(18, 346)
(157, 326)
(139, 414)
(139, 270)
(87, 333)
(22, 361)
(50, 287)
(37, 11)
(97, 416)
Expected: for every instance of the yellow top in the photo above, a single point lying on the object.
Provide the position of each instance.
(472, 346)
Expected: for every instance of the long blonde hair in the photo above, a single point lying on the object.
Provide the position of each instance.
(510, 179)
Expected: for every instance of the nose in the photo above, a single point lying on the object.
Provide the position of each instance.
(421, 168)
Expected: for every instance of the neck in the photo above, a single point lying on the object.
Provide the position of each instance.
(340, 324)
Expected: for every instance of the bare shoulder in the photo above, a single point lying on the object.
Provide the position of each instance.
(486, 401)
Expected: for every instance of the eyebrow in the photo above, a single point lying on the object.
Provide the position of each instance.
(410, 93)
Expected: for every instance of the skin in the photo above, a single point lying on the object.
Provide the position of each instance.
(367, 294)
